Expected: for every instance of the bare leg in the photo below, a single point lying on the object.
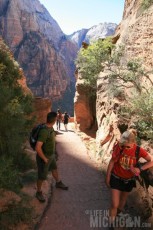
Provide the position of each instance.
(123, 199)
(55, 175)
(65, 127)
(39, 185)
(115, 203)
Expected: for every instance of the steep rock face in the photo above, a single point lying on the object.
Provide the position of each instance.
(101, 30)
(22, 81)
(135, 33)
(42, 106)
(82, 111)
(39, 45)
(78, 37)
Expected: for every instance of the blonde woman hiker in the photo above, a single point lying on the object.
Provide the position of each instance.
(122, 170)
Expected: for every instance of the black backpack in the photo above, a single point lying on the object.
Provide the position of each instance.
(34, 135)
(146, 175)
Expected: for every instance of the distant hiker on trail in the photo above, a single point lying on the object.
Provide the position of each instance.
(122, 170)
(59, 119)
(45, 157)
(66, 120)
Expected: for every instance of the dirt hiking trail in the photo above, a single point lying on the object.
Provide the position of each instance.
(81, 207)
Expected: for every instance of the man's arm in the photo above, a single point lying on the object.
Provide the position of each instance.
(40, 152)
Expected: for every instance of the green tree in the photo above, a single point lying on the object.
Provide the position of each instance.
(89, 61)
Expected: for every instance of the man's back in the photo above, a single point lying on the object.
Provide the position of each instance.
(47, 136)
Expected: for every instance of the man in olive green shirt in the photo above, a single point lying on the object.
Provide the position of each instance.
(45, 157)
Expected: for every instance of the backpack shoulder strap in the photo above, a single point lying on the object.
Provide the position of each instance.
(137, 151)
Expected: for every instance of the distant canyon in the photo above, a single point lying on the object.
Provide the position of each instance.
(44, 52)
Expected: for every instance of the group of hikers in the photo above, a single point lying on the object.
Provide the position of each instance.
(62, 118)
(121, 172)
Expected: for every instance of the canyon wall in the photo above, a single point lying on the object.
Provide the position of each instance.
(40, 47)
(83, 116)
(135, 33)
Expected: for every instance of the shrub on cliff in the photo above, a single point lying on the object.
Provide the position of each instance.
(15, 107)
(131, 77)
(146, 3)
(127, 74)
(140, 107)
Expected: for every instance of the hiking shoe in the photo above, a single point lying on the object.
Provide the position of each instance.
(40, 197)
(61, 185)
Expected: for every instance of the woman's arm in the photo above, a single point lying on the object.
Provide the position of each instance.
(109, 170)
(147, 165)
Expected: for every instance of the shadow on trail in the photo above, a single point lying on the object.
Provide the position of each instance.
(58, 133)
(86, 202)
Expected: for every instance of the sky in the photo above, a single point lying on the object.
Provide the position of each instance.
(73, 15)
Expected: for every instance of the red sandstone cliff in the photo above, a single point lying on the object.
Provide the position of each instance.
(39, 46)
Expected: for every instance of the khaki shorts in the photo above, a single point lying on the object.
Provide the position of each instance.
(43, 168)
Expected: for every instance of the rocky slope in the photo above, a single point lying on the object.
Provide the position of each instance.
(135, 33)
(40, 47)
(101, 30)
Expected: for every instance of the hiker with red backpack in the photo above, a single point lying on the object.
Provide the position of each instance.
(45, 148)
(122, 170)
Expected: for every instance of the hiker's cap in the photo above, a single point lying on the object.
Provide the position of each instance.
(124, 137)
(128, 136)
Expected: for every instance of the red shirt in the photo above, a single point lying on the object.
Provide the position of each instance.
(125, 159)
